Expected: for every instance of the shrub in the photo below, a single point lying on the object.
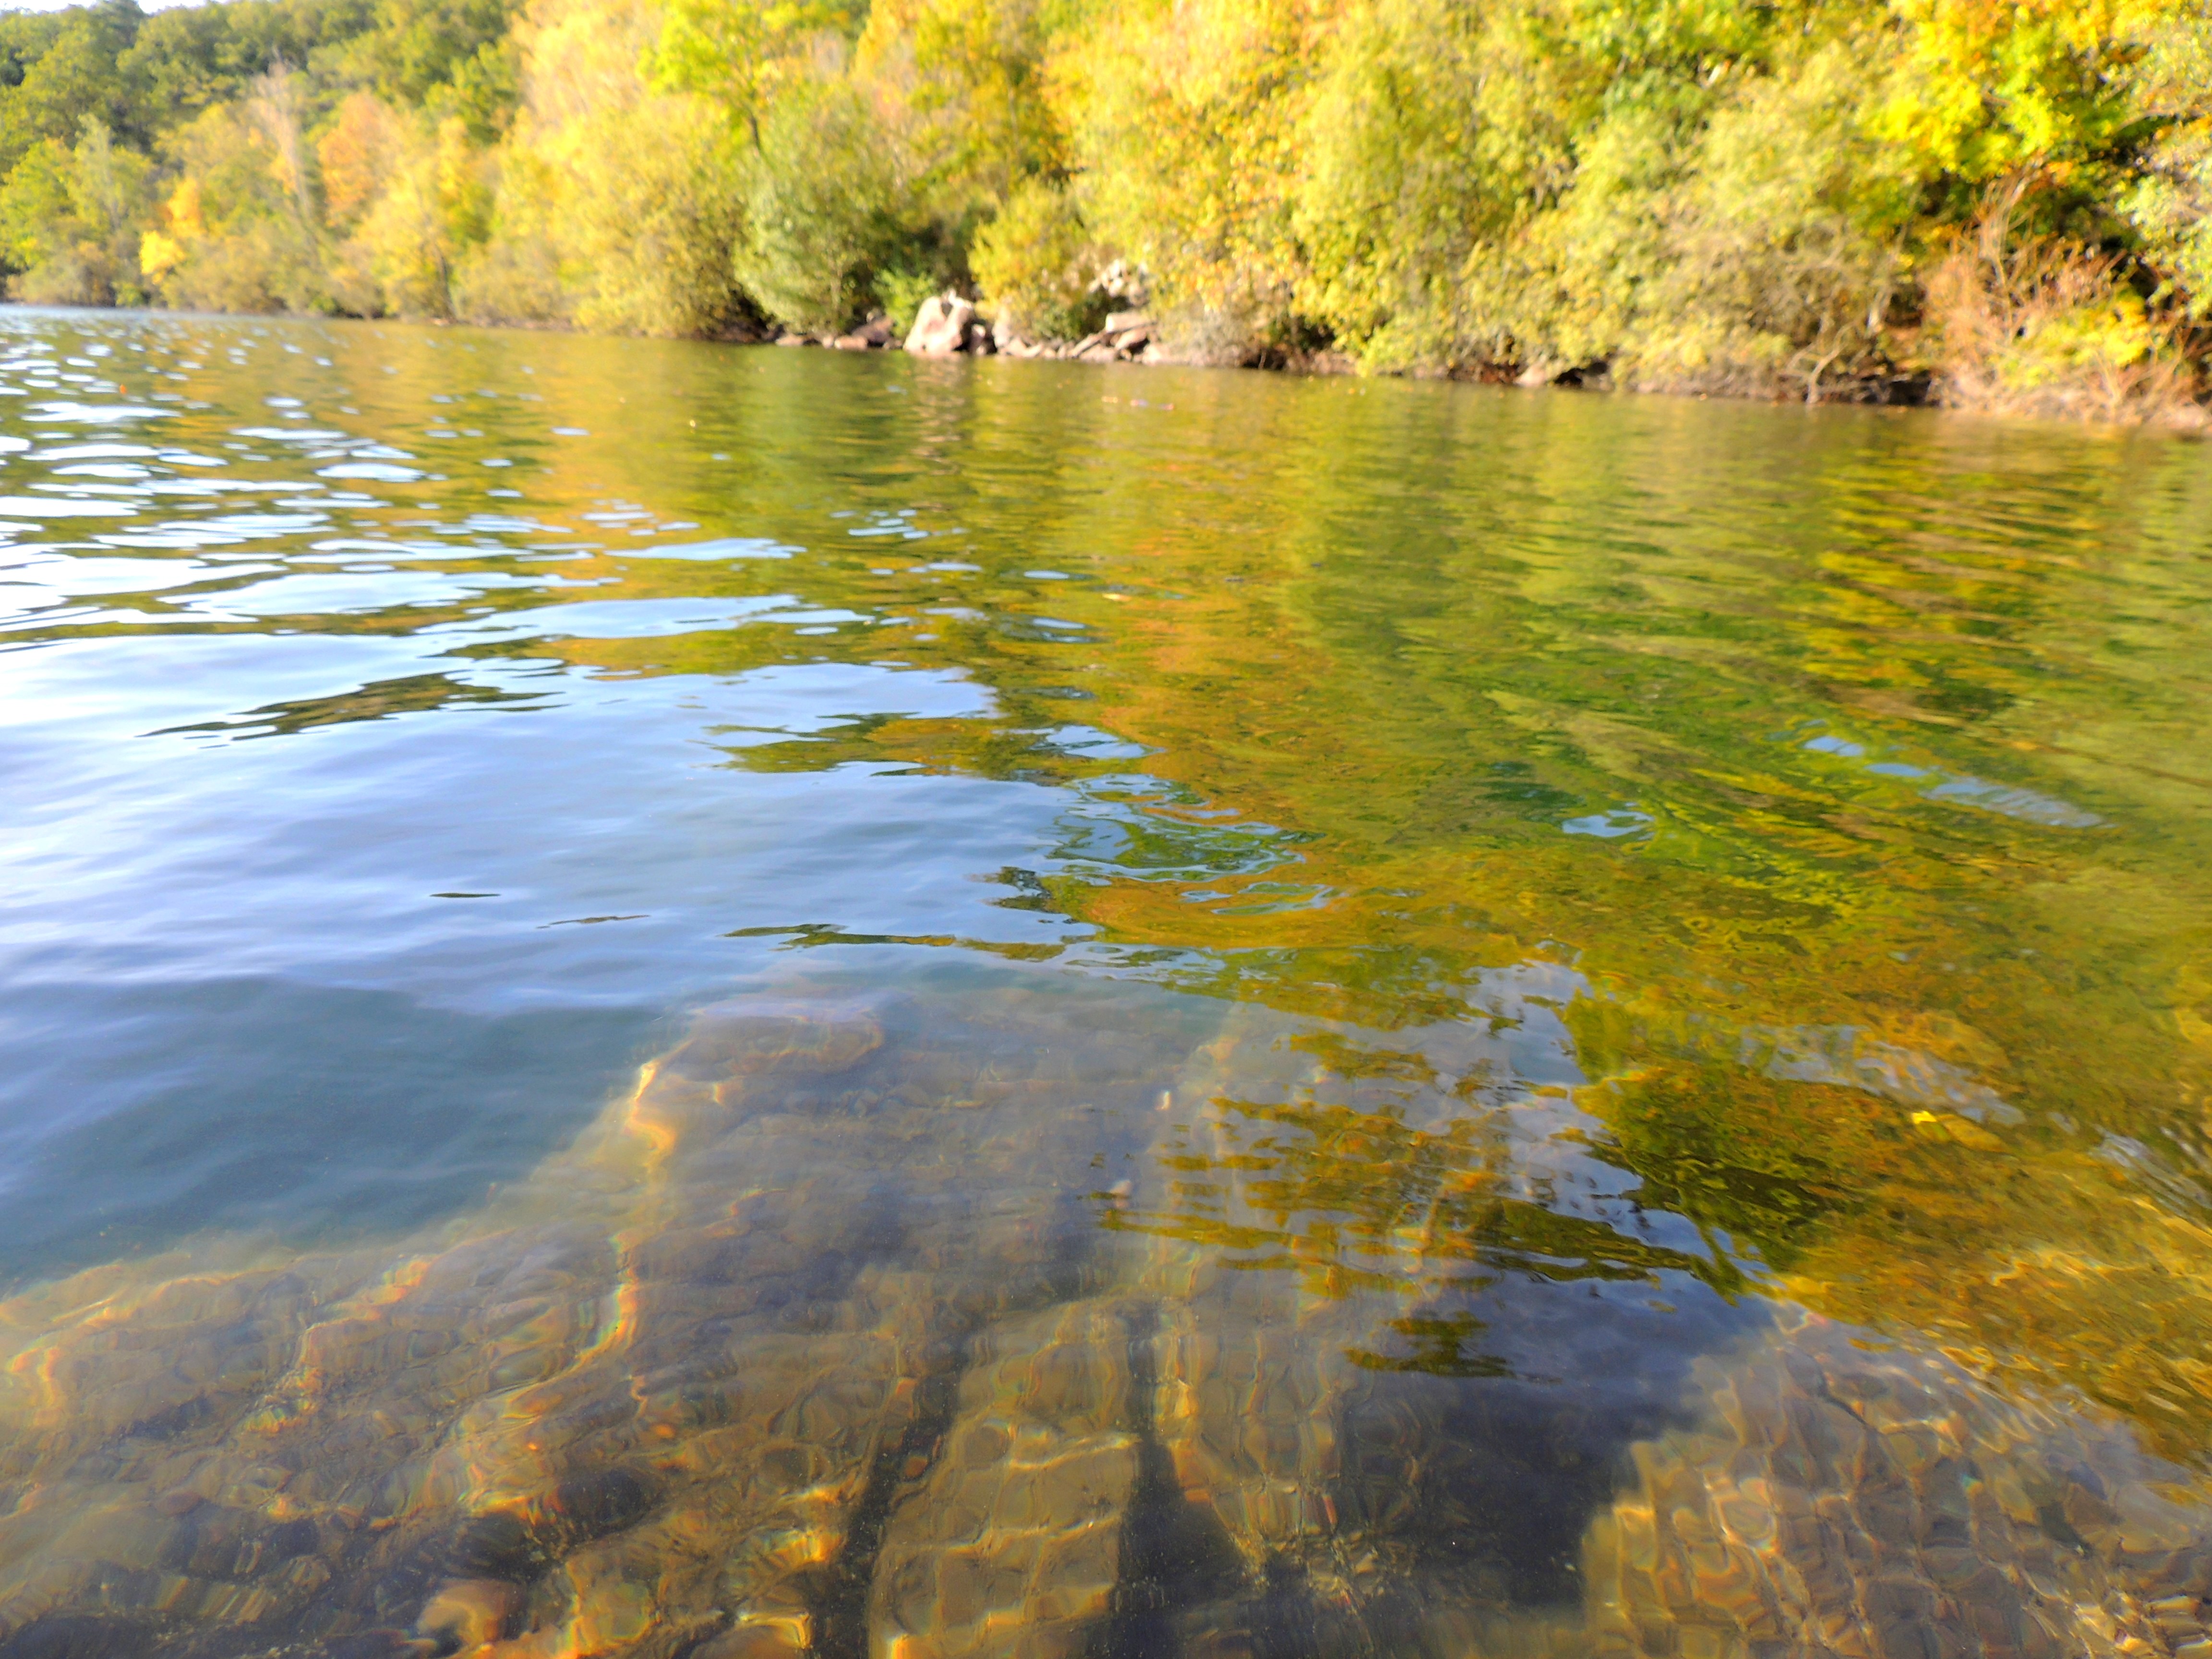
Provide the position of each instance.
(900, 293)
(825, 207)
(616, 200)
(1183, 125)
(1764, 196)
(71, 221)
(654, 210)
(237, 216)
(2044, 325)
(414, 234)
(1781, 251)
(1401, 182)
(1038, 266)
(2170, 203)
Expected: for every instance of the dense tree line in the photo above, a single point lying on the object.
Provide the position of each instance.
(2003, 199)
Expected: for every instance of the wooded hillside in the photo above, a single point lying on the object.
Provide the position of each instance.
(2003, 202)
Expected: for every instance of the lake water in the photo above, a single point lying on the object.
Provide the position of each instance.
(704, 1003)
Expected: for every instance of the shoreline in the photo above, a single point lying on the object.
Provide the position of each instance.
(2190, 418)
(1921, 390)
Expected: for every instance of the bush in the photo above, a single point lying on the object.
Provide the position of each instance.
(238, 220)
(2169, 204)
(1183, 125)
(1756, 196)
(825, 209)
(71, 221)
(1781, 253)
(1038, 266)
(1397, 189)
(433, 208)
(900, 293)
(240, 273)
(2043, 325)
(616, 202)
(655, 207)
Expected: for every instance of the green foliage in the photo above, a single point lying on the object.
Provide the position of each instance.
(1779, 255)
(1394, 200)
(447, 57)
(69, 220)
(64, 71)
(1980, 90)
(901, 292)
(1038, 265)
(2170, 203)
(35, 205)
(189, 59)
(1184, 128)
(247, 242)
(966, 82)
(739, 51)
(663, 213)
(825, 207)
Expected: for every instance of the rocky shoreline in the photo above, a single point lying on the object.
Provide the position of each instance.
(949, 325)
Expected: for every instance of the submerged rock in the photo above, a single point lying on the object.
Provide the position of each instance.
(1045, 1323)
(656, 1393)
(1838, 1496)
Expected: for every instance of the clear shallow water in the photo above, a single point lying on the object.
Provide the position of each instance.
(1343, 1018)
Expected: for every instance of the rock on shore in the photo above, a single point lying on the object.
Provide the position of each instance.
(942, 327)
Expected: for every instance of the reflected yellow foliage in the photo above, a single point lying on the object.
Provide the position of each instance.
(1362, 736)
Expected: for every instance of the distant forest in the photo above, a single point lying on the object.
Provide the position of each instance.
(1995, 202)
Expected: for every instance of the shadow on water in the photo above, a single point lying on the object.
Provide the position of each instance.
(1452, 1490)
(273, 1105)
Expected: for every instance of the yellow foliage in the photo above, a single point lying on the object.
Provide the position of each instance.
(158, 255)
(614, 207)
(1391, 198)
(181, 212)
(2038, 324)
(414, 232)
(1986, 86)
(963, 82)
(357, 154)
(1036, 264)
(243, 215)
(1185, 124)
(1748, 195)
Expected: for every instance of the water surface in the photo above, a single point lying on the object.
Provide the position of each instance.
(1339, 1017)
